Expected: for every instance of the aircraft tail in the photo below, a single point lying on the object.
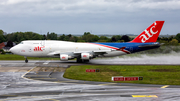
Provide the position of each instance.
(150, 34)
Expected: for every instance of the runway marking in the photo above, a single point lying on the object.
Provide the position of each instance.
(27, 72)
(107, 84)
(65, 81)
(42, 78)
(53, 99)
(165, 86)
(144, 96)
(36, 75)
(46, 62)
(21, 97)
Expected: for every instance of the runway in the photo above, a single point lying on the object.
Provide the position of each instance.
(18, 81)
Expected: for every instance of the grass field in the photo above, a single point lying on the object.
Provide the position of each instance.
(165, 75)
(18, 57)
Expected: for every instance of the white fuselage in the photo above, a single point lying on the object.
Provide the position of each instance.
(47, 48)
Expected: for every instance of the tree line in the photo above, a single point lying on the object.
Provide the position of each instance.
(17, 37)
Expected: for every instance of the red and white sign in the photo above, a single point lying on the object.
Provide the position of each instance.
(90, 70)
(131, 78)
(117, 78)
(121, 78)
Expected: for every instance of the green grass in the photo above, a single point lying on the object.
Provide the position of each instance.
(18, 57)
(165, 75)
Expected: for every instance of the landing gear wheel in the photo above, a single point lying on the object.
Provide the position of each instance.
(79, 60)
(26, 60)
(86, 61)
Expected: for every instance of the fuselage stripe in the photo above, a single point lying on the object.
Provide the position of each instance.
(104, 45)
(112, 48)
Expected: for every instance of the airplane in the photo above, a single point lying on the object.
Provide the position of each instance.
(84, 52)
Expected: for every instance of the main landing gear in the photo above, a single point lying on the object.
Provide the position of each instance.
(82, 61)
(79, 60)
(26, 61)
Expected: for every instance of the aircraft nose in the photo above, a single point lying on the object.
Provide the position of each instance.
(13, 50)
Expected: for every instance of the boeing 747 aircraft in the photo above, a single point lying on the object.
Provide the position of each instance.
(83, 52)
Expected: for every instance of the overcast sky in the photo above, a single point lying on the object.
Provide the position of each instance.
(96, 16)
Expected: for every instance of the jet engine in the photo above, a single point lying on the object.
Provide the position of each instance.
(65, 57)
(86, 56)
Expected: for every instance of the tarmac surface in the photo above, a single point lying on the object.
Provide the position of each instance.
(20, 81)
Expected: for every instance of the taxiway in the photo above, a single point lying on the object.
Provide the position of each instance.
(18, 81)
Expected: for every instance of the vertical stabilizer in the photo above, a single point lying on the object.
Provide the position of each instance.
(150, 34)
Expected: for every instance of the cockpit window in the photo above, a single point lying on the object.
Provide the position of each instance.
(21, 43)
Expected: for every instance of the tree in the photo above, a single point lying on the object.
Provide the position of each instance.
(81, 41)
(44, 37)
(52, 36)
(61, 37)
(9, 44)
(2, 51)
(36, 37)
(2, 39)
(174, 42)
(117, 37)
(103, 38)
(69, 35)
(170, 38)
(113, 39)
(95, 38)
(178, 37)
(87, 33)
(1, 32)
(125, 38)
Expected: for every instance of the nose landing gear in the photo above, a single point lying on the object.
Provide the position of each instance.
(26, 61)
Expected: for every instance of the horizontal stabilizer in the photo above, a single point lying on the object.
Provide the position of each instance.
(147, 46)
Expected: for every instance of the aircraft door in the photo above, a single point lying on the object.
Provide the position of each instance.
(42, 48)
(42, 43)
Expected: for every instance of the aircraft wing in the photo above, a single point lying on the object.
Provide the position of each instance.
(54, 53)
(96, 52)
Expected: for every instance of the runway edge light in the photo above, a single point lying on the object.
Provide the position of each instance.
(140, 78)
(97, 70)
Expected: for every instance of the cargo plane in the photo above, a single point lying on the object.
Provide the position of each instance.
(84, 52)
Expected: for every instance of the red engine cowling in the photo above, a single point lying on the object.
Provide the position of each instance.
(64, 57)
(86, 56)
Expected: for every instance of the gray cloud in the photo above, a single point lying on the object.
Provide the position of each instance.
(99, 16)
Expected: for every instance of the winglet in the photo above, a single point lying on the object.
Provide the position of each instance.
(150, 34)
